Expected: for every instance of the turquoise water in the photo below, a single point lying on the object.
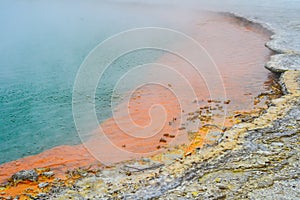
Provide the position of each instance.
(42, 45)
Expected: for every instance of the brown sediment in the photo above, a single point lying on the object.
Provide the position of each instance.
(239, 53)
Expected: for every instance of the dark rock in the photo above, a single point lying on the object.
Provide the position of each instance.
(222, 186)
(23, 175)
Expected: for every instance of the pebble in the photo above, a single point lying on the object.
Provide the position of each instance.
(48, 174)
(218, 180)
(222, 186)
(279, 144)
(146, 160)
(42, 195)
(43, 185)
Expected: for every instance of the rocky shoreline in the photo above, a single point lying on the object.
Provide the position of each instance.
(253, 161)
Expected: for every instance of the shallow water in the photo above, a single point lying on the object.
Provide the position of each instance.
(280, 16)
(43, 44)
